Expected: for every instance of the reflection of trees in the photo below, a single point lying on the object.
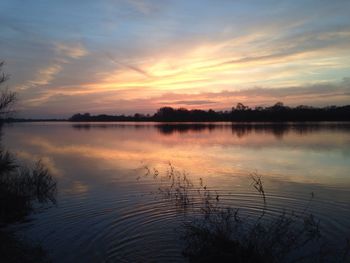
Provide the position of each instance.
(243, 129)
(170, 128)
(88, 126)
(279, 130)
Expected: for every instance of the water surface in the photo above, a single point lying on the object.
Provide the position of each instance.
(108, 211)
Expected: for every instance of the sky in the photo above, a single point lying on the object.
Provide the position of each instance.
(128, 56)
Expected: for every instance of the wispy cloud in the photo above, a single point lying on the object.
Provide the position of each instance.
(127, 66)
(62, 53)
(75, 50)
(136, 55)
(143, 6)
(131, 101)
(45, 75)
(191, 103)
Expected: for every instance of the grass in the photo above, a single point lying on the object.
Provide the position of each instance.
(220, 234)
(20, 189)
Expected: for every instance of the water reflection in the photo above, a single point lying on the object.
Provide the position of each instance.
(317, 152)
(244, 129)
(97, 165)
(238, 129)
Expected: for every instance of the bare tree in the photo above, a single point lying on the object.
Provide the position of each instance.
(7, 97)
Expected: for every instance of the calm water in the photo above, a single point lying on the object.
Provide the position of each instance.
(108, 211)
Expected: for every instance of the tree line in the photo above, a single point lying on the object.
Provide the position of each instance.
(241, 113)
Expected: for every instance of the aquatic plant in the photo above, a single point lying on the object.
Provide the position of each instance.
(21, 187)
(174, 185)
(220, 234)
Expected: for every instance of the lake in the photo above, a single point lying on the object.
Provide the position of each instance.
(108, 209)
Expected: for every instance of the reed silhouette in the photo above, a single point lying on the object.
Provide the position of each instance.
(217, 233)
(22, 188)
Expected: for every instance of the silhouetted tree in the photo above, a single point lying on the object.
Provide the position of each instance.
(7, 97)
(279, 105)
(276, 113)
(241, 107)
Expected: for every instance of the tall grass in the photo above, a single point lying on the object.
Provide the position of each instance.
(21, 187)
(220, 234)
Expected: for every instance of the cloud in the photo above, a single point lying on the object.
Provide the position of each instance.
(127, 66)
(45, 75)
(143, 6)
(112, 102)
(63, 53)
(75, 50)
(317, 94)
(270, 58)
(185, 53)
(188, 102)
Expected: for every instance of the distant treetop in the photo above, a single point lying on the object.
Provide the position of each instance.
(276, 113)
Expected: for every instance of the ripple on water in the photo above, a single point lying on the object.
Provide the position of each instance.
(143, 226)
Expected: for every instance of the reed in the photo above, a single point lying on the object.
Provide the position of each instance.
(220, 234)
(21, 188)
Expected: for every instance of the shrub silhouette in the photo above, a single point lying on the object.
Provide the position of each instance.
(20, 187)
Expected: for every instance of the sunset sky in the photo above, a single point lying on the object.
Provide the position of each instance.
(127, 56)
